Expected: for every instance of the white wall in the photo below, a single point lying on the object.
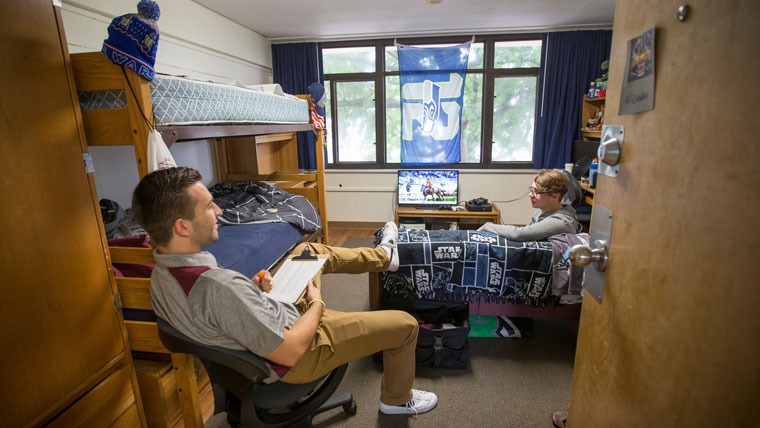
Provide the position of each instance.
(193, 41)
(368, 196)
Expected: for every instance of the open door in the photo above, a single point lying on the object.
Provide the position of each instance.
(676, 339)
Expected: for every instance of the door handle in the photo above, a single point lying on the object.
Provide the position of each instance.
(583, 255)
(610, 149)
(609, 152)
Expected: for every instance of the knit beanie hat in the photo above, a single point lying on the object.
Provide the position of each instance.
(133, 39)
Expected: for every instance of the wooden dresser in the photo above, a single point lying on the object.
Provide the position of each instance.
(65, 357)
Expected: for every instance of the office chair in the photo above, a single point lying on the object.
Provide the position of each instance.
(236, 382)
(581, 167)
(574, 197)
(574, 194)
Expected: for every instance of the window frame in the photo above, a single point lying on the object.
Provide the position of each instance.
(379, 75)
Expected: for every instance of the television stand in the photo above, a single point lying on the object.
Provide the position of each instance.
(465, 219)
(428, 207)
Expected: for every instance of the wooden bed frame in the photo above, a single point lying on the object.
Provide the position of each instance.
(260, 152)
(256, 152)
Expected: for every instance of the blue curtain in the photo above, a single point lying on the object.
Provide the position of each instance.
(570, 61)
(295, 66)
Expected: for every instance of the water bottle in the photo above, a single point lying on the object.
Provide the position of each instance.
(593, 171)
(592, 90)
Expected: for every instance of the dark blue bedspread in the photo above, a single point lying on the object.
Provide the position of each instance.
(249, 248)
(245, 248)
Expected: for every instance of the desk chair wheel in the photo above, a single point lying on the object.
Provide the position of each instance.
(350, 408)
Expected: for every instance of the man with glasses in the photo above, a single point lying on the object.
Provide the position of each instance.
(551, 217)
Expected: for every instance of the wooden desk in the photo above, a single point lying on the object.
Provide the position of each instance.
(589, 197)
(494, 215)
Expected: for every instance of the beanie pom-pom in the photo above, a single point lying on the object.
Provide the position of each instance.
(149, 9)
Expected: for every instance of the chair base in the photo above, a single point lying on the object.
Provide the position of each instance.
(345, 400)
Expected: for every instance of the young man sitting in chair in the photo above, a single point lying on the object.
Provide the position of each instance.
(551, 217)
(215, 306)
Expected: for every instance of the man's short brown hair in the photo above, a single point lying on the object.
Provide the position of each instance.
(161, 198)
(549, 180)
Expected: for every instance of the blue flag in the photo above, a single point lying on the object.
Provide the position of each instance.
(432, 93)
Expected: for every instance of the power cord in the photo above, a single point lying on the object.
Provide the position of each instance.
(395, 199)
(516, 199)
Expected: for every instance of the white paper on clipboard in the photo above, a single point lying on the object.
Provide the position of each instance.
(293, 276)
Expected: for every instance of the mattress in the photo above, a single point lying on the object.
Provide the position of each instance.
(182, 101)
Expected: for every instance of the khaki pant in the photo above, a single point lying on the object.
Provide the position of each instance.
(346, 336)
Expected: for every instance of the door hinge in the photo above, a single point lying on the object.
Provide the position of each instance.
(117, 302)
(89, 166)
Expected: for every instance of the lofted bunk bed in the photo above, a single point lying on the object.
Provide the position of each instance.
(120, 108)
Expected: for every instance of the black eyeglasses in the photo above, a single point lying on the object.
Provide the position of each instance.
(533, 191)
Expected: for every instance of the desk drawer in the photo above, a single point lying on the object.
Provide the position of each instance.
(158, 389)
(109, 403)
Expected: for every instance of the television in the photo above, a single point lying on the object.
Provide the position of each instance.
(428, 187)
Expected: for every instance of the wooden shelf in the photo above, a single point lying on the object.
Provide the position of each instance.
(589, 109)
(591, 134)
(587, 188)
(594, 100)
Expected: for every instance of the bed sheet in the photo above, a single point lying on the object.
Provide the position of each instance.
(182, 101)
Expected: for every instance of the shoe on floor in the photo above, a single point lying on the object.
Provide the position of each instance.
(421, 402)
(559, 419)
(388, 242)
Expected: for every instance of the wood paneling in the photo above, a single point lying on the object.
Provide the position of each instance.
(674, 342)
(93, 74)
(107, 127)
(135, 293)
(262, 154)
(104, 405)
(131, 255)
(143, 336)
(59, 322)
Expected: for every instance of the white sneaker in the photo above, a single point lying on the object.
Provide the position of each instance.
(421, 402)
(388, 242)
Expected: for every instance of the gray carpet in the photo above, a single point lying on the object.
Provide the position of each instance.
(510, 382)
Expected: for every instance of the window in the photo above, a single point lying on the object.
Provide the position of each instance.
(363, 102)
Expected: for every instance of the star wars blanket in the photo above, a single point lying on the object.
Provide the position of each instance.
(257, 202)
(470, 265)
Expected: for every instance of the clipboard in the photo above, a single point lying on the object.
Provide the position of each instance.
(292, 277)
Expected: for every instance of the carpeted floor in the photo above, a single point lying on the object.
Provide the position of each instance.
(509, 383)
